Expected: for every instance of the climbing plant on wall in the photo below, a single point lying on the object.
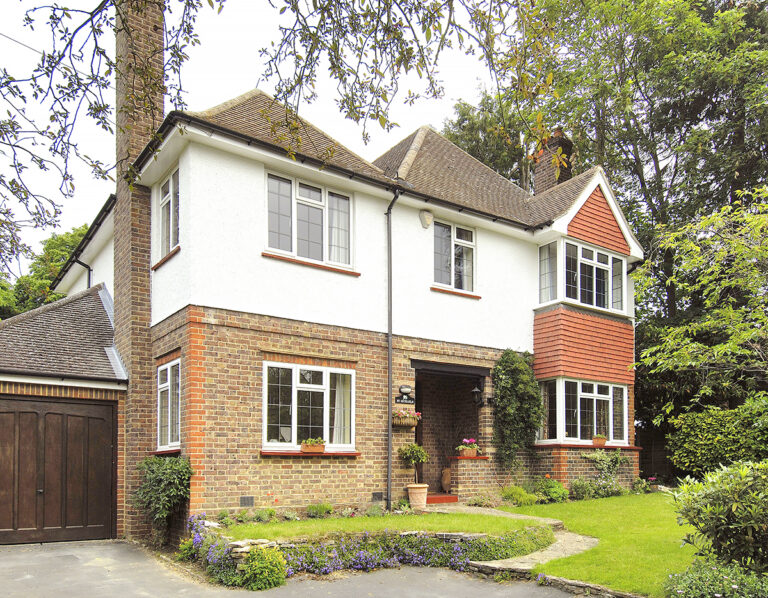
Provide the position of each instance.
(518, 406)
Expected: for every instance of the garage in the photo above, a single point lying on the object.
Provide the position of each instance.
(61, 382)
(56, 463)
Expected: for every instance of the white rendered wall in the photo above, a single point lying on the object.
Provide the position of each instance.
(100, 255)
(223, 232)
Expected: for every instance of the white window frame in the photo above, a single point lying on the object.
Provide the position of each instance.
(561, 277)
(295, 387)
(174, 196)
(323, 204)
(456, 241)
(560, 398)
(167, 386)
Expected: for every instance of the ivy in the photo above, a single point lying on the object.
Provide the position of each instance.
(519, 410)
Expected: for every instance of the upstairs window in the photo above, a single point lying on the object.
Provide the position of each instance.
(593, 277)
(169, 214)
(308, 221)
(548, 272)
(454, 255)
(168, 405)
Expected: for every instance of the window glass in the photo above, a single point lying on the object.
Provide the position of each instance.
(587, 387)
(601, 287)
(549, 397)
(586, 280)
(463, 264)
(338, 228)
(586, 416)
(587, 254)
(279, 399)
(175, 226)
(340, 412)
(168, 405)
(617, 284)
(618, 413)
(280, 200)
(571, 271)
(463, 234)
(548, 272)
(175, 406)
(602, 418)
(310, 192)
(602, 389)
(310, 377)
(442, 253)
(602, 258)
(310, 415)
(309, 231)
(571, 410)
(165, 228)
(162, 417)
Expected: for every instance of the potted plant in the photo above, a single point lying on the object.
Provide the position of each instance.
(413, 454)
(468, 448)
(313, 445)
(599, 440)
(404, 418)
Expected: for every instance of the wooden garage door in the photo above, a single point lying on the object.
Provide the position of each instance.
(56, 470)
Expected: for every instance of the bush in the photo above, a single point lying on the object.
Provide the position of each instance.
(549, 490)
(263, 515)
(242, 516)
(518, 496)
(374, 511)
(582, 489)
(402, 504)
(641, 486)
(701, 442)
(290, 515)
(728, 512)
(263, 568)
(163, 489)
(485, 499)
(187, 551)
(705, 578)
(320, 510)
(413, 454)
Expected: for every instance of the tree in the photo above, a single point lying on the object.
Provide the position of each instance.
(34, 289)
(367, 48)
(721, 262)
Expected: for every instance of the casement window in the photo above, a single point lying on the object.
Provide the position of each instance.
(308, 402)
(168, 405)
(578, 410)
(308, 221)
(548, 272)
(454, 256)
(169, 214)
(594, 277)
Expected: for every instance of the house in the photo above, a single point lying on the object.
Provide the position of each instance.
(261, 299)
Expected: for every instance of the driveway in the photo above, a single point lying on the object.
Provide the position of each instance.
(123, 570)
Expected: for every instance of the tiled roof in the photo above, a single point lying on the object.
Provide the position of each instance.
(558, 200)
(71, 338)
(258, 115)
(441, 169)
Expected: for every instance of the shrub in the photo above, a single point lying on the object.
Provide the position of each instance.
(319, 510)
(549, 490)
(728, 512)
(485, 499)
(701, 442)
(163, 489)
(518, 407)
(518, 496)
(606, 485)
(402, 505)
(243, 516)
(706, 578)
(413, 454)
(290, 515)
(187, 551)
(348, 512)
(223, 515)
(641, 486)
(263, 515)
(374, 511)
(582, 489)
(263, 568)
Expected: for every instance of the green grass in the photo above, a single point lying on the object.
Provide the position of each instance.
(432, 522)
(640, 541)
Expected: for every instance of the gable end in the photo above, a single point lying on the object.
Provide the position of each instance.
(596, 224)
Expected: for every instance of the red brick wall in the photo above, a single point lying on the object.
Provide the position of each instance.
(595, 223)
(572, 342)
(566, 463)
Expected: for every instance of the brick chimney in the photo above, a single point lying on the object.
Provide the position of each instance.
(545, 175)
(139, 103)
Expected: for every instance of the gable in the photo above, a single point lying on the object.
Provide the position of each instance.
(596, 224)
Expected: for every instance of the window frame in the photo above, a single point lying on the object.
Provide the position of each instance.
(562, 437)
(456, 241)
(173, 198)
(160, 387)
(324, 205)
(296, 386)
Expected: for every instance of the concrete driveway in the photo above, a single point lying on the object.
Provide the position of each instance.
(119, 569)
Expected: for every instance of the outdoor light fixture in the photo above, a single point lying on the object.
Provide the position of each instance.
(477, 396)
(405, 390)
(427, 218)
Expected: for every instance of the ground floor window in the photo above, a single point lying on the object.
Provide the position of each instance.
(304, 402)
(580, 410)
(168, 405)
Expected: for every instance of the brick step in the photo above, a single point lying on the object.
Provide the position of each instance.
(433, 498)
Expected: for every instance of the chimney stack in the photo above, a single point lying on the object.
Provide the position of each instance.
(545, 174)
(139, 104)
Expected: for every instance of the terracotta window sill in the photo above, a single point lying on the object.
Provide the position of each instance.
(457, 293)
(300, 262)
(166, 257)
(270, 453)
(478, 458)
(623, 447)
(174, 451)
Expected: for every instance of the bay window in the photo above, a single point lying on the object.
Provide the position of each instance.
(304, 402)
(579, 410)
(594, 277)
(454, 255)
(169, 405)
(308, 221)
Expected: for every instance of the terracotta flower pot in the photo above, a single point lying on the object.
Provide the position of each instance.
(467, 452)
(313, 448)
(417, 495)
(599, 441)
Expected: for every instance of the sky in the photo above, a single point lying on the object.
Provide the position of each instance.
(226, 64)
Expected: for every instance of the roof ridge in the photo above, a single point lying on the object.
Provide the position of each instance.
(23, 317)
(413, 151)
(582, 175)
(219, 108)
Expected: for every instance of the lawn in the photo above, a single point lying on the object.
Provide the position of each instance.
(433, 522)
(640, 541)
